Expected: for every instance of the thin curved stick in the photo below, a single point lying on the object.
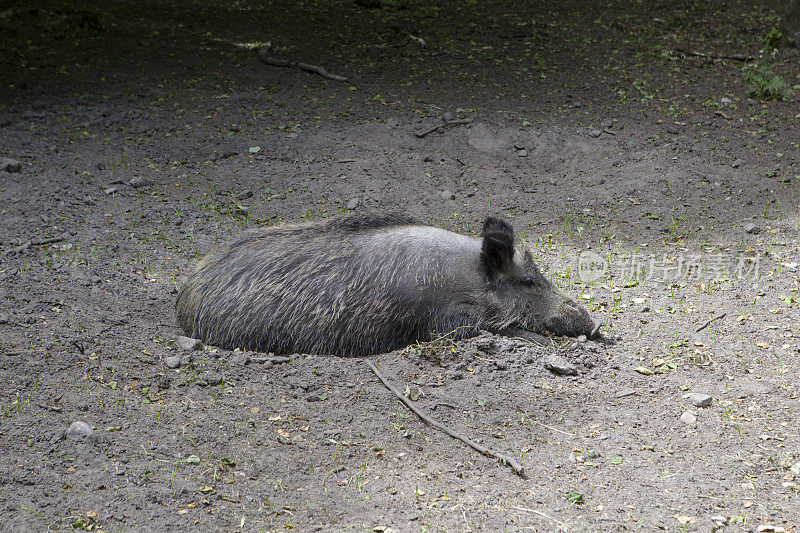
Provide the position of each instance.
(510, 461)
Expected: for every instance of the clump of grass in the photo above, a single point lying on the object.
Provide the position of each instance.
(763, 84)
(773, 38)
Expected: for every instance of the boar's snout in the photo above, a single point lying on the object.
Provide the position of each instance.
(572, 320)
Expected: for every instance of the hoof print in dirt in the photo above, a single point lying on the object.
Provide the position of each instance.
(10, 165)
(559, 366)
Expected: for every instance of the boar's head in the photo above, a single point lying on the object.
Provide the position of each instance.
(519, 296)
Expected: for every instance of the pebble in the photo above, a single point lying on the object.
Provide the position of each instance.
(173, 361)
(622, 393)
(752, 229)
(188, 344)
(79, 431)
(139, 181)
(353, 203)
(110, 191)
(672, 130)
(719, 519)
(10, 165)
(595, 133)
(209, 379)
(522, 153)
(699, 399)
(240, 358)
(725, 101)
(688, 418)
(560, 366)
(448, 195)
(737, 163)
(393, 123)
(767, 528)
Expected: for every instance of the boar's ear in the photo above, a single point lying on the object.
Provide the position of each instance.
(497, 250)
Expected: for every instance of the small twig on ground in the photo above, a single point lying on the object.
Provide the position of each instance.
(551, 428)
(735, 57)
(515, 466)
(28, 244)
(534, 511)
(263, 55)
(444, 123)
(271, 359)
(704, 326)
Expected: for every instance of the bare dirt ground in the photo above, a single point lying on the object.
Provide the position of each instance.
(147, 132)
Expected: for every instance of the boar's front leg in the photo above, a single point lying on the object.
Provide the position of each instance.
(527, 335)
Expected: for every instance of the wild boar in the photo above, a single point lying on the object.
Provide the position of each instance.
(369, 283)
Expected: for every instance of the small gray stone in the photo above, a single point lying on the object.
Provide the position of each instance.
(719, 519)
(560, 366)
(672, 130)
(447, 195)
(737, 163)
(577, 104)
(353, 203)
(595, 133)
(110, 191)
(209, 379)
(622, 393)
(79, 431)
(725, 101)
(139, 181)
(522, 153)
(752, 229)
(393, 123)
(240, 358)
(10, 165)
(188, 344)
(699, 399)
(688, 418)
(173, 361)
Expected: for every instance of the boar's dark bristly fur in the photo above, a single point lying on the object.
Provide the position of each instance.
(364, 284)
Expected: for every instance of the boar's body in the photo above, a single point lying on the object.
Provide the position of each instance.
(365, 284)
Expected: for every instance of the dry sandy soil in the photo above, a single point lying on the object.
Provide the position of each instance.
(146, 132)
